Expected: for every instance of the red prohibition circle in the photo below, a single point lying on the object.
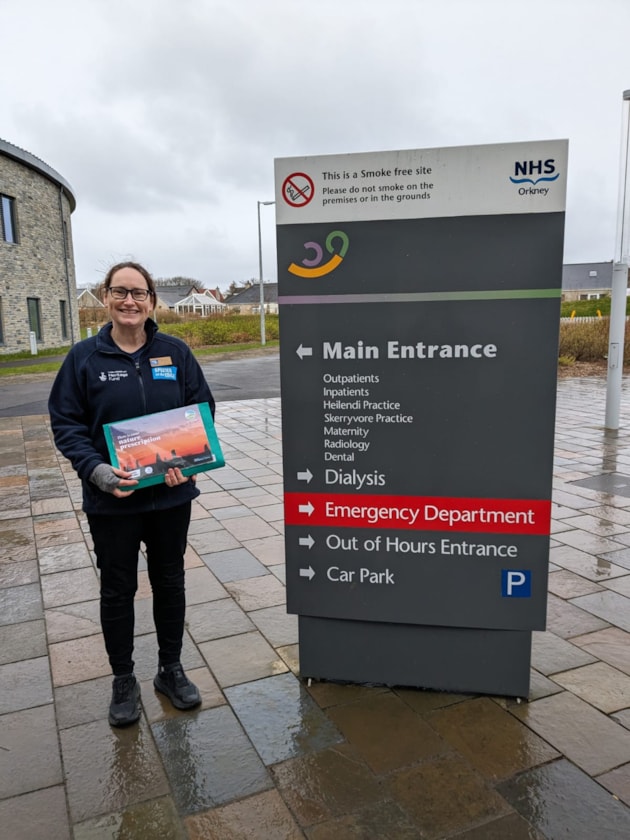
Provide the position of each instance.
(298, 189)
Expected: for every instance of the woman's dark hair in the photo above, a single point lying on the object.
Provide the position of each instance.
(140, 268)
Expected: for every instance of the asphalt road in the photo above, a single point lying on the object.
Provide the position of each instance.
(246, 378)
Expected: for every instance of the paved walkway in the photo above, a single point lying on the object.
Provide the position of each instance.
(268, 756)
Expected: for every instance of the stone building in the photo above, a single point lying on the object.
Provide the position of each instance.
(37, 278)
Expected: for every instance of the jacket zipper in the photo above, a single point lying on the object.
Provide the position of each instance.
(143, 395)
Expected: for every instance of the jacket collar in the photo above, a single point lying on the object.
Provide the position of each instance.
(105, 343)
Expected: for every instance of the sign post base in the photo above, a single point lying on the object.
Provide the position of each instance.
(462, 660)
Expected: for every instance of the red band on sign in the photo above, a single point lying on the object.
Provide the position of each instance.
(419, 513)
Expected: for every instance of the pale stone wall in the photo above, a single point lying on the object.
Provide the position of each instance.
(41, 263)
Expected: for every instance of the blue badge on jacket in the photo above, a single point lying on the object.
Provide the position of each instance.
(164, 372)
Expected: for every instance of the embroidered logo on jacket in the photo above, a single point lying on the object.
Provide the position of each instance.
(113, 375)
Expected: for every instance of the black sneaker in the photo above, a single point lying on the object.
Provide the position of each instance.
(172, 681)
(125, 706)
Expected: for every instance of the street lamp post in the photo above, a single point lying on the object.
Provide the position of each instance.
(617, 326)
(260, 275)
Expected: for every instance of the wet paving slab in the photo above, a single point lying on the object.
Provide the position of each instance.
(491, 739)
(386, 732)
(609, 606)
(29, 754)
(280, 718)
(551, 653)
(242, 658)
(21, 603)
(586, 736)
(217, 619)
(209, 759)
(38, 815)
(444, 795)
(267, 754)
(18, 573)
(611, 645)
(109, 769)
(601, 685)
(560, 800)
(593, 568)
(144, 821)
(25, 685)
(25, 640)
(263, 815)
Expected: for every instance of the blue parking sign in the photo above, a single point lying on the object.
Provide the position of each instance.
(516, 583)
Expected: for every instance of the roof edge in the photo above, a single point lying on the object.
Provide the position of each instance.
(28, 159)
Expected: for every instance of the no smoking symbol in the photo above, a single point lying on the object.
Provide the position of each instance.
(298, 189)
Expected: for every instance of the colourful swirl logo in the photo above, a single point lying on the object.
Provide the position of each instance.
(312, 266)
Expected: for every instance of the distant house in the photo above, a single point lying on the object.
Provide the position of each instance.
(168, 296)
(200, 304)
(88, 300)
(247, 301)
(586, 281)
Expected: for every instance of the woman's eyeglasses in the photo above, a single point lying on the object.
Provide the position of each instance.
(120, 293)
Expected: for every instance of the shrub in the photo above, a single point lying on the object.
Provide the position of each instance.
(219, 329)
(588, 342)
(167, 316)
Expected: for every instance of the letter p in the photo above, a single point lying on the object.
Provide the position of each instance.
(516, 583)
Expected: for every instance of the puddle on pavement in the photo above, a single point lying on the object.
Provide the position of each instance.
(209, 759)
(110, 769)
(281, 718)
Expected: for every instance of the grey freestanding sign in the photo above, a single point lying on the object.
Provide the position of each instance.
(419, 309)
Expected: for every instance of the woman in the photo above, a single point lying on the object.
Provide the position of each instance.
(129, 369)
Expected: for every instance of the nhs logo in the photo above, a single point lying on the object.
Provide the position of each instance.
(534, 171)
(516, 583)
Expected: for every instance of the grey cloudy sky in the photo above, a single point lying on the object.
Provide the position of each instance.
(165, 116)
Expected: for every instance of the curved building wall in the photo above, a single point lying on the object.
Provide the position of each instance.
(37, 276)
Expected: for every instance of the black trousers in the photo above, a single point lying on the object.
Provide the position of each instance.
(117, 544)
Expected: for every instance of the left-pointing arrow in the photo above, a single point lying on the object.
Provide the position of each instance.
(309, 573)
(304, 351)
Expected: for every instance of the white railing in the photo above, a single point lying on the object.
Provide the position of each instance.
(585, 319)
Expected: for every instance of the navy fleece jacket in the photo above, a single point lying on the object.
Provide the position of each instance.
(98, 383)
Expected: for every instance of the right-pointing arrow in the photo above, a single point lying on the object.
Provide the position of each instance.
(309, 542)
(306, 476)
(307, 508)
(309, 573)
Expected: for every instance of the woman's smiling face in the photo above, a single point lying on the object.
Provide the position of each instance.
(128, 312)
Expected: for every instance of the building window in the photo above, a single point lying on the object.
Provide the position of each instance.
(63, 318)
(7, 218)
(34, 317)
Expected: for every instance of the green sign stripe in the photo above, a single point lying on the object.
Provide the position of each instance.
(408, 297)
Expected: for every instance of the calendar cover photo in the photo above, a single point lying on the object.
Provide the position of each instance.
(181, 437)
